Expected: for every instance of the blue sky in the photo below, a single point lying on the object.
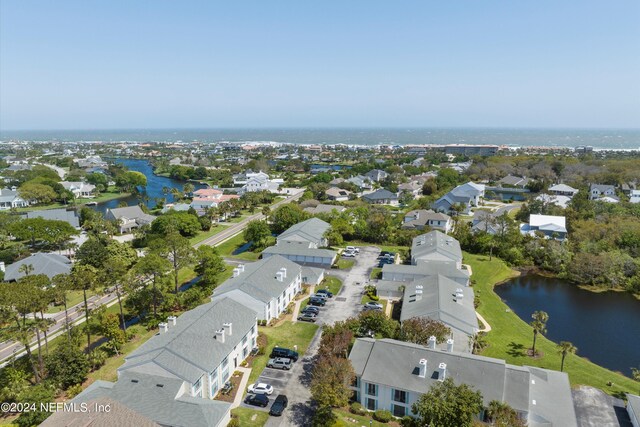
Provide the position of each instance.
(171, 64)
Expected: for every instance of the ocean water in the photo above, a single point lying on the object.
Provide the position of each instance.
(620, 139)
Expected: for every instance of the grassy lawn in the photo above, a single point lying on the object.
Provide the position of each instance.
(103, 197)
(206, 234)
(226, 249)
(286, 335)
(245, 415)
(365, 299)
(344, 264)
(376, 273)
(347, 419)
(510, 336)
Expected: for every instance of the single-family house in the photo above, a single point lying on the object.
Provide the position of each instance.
(266, 286)
(311, 232)
(91, 162)
(412, 187)
(488, 222)
(562, 190)
(376, 175)
(419, 219)
(513, 181)
(466, 195)
(337, 194)
(69, 216)
(10, 199)
(79, 189)
(49, 264)
(392, 375)
(381, 196)
(551, 226)
(634, 196)
(173, 377)
(128, 218)
(324, 208)
(362, 182)
(436, 246)
(561, 201)
(206, 198)
(600, 191)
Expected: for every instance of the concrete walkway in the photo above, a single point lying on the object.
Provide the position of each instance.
(486, 327)
(242, 387)
(296, 309)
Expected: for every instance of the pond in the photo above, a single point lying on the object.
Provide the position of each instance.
(604, 326)
(153, 190)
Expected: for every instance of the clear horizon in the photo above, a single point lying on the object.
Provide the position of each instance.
(359, 65)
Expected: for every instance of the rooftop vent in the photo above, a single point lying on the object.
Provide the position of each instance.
(220, 335)
(284, 272)
(227, 328)
(171, 320)
(280, 276)
(163, 327)
(236, 272)
(241, 268)
(450, 345)
(422, 373)
(442, 371)
(418, 294)
(431, 342)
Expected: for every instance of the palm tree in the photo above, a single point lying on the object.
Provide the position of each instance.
(60, 284)
(188, 188)
(478, 342)
(539, 325)
(26, 269)
(564, 348)
(266, 211)
(84, 278)
(635, 373)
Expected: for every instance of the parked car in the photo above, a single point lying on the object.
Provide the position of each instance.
(348, 254)
(260, 388)
(308, 317)
(386, 254)
(325, 292)
(279, 363)
(317, 301)
(284, 352)
(352, 249)
(279, 405)
(257, 400)
(372, 305)
(311, 309)
(323, 296)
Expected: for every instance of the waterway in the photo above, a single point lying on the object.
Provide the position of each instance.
(152, 191)
(604, 326)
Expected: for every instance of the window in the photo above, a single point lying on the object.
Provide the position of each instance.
(196, 389)
(399, 411)
(371, 404)
(225, 362)
(372, 389)
(400, 396)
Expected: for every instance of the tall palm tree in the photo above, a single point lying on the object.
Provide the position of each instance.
(564, 348)
(539, 325)
(26, 269)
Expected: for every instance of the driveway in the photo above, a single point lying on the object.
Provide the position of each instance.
(342, 306)
(595, 408)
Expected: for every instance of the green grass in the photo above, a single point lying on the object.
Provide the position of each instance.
(332, 283)
(245, 415)
(344, 264)
(510, 336)
(286, 335)
(73, 298)
(376, 273)
(203, 235)
(346, 416)
(365, 299)
(226, 249)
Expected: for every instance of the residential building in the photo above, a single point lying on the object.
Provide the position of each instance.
(376, 175)
(69, 216)
(599, 191)
(396, 275)
(436, 246)
(206, 198)
(10, 199)
(634, 196)
(488, 222)
(49, 264)
(633, 409)
(419, 219)
(178, 207)
(79, 189)
(259, 183)
(362, 182)
(553, 227)
(381, 196)
(323, 208)
(561, 201)
(513, 181)
(91, 162)
(95, 415)
(128, 218)
(466, 195)
(301, 253)
(412, 187)
(562, 190)
(266, 286)
(337, 194)
(392, 375)
(311, 231)
(172, 378)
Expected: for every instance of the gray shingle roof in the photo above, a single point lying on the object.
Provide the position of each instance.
(396, 364)
(298, 248)
(189, 348)
(259, 279)
(322, 208)
(436, 246)
(130, 212)
(311, 230)
(438, 302)
(118, 415)
(48, 264)
(448, 270)
(69, 216)
(381, 194)
(633, 401)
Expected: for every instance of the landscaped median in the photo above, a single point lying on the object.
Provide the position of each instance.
(510, 336)
(333, 284)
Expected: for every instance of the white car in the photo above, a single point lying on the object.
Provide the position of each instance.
(352, 249)
(260, 388)
(348, 254)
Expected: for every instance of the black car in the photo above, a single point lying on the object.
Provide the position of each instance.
(257, 400)
(325, 292)
(284, 352)
(311, 309)
(279, 405)
(317, 301)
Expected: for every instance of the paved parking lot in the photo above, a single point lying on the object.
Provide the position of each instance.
(278, 379)
(595, 408)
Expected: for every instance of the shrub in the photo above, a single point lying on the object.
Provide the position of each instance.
(357, 409)
(74, 390)
(235, 422)
(374, 297)
(382, 416)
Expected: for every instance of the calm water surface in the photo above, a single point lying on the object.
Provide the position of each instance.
(604, 326)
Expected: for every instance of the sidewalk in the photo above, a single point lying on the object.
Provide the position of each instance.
(242, 387)
(296, 309)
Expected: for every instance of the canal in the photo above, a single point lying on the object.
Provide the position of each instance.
(604, 326)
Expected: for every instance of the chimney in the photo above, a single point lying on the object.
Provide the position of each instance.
(418, 294)
(284, 272)
(241, 268)
(423, 368)
(236, 272)
(431, 343)
(2, 267)
(163, 327)
(227, 328)
(450, 345)
(442, 371)
(171, 320)
(220, 335)
(279, 276)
